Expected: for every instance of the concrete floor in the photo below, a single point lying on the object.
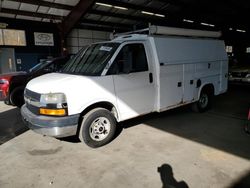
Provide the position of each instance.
(178, 148)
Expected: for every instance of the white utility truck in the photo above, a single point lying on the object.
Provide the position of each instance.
(131, 75)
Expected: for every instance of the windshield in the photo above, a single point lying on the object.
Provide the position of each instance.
(39, 66)
(92, 60)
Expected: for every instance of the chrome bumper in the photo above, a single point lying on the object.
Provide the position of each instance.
(50, 126)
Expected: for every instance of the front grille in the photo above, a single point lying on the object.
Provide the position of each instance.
(32, 97)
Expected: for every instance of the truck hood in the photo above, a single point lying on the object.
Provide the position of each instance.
(56, 82)
(81, 91)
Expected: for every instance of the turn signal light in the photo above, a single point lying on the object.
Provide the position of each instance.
(53, 112)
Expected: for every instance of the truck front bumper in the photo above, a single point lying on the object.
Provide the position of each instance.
(50, 126)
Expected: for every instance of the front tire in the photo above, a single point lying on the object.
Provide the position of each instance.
(97, 128)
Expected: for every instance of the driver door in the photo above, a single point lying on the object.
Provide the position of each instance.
(133, 81)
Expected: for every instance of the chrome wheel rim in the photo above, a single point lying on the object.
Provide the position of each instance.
(99, 129)
(203, 101)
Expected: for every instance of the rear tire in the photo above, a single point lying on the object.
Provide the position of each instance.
(98, 128)
(16, 97)
(204, 102)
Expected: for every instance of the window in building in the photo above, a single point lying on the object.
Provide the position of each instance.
(248, 50)
(13, 37)
(229, 49)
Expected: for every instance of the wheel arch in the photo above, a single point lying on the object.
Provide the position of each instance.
(209, 87)
(102, 104)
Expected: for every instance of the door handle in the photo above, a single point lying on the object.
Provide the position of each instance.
(179, 84)
(150, 78)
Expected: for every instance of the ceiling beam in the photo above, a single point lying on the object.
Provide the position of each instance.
(116, 15)
(101, 28)
(75, 15)
(46, 4)
(105, 23)
(31, 14)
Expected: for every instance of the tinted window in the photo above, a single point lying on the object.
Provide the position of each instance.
(131, 58)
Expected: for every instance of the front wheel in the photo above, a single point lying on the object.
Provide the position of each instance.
(204, 102)
(97, 128)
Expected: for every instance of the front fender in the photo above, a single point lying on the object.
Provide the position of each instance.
(99, 103)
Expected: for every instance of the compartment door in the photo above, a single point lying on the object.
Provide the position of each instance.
(189, 82)
(171, 85)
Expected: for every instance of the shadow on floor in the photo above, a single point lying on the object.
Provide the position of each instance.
(11, 125)
(243, 182)
(167, 178)
(222, 127)
(71, 139)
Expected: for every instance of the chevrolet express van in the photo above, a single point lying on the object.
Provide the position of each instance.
(131, 75)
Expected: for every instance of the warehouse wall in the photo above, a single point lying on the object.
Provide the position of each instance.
(31, 54)
(79, 38)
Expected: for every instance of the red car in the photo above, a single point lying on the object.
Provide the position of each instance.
(4, 86)
(12, 84)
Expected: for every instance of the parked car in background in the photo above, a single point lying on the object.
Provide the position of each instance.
(239, 75)
(12, 84)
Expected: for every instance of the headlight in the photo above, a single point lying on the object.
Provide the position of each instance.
(53, 104)
(53, 98)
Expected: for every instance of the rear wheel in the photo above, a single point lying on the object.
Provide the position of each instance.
(97, 128)
(16, 97)
(204, 102)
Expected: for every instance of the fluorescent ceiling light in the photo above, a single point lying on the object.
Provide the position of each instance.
(108, 5)
(160, 15)
(122, 8)
(103, 4)
(153, 14)
(240, 30)
(149, 13)
(189, 21)
(206, 24)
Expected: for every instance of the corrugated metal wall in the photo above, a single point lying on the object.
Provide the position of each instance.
(82, 37)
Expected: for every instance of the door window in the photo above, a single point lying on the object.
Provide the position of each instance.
(131, 58)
